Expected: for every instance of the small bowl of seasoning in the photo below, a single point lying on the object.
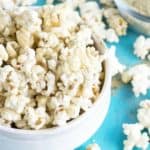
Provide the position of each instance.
(137, 13)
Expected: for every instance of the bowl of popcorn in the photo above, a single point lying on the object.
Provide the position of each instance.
(54, 82)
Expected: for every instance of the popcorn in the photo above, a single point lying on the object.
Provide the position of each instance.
(16, 103)
(115, 21)
(48, 40)
(3, 53)
(139, 81)
(111, 36)
(116, 66)
(9, 115)
(73, 111)
(92, 16)
(60, 117)
(9, 4)
(12, 48)
(50, 70)
(5, 18)
(50, 79)
(27, 60)
(36, 118)
(24, 38)
(135, 137)
(93, 147)
(74, 3)
(59, 100)
(52, 64)
(144, 113)
(142, 47)
(28, 19)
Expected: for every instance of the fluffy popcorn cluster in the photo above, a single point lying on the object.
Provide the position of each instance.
(93, 147)
(137, 134)
(142, 47)
(139, 76)
(93, 17)
(49, 68)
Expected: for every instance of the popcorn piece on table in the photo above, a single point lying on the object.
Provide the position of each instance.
(93, 147)
(144, 113)
(139, 76)
(135, 137)
(142, 47)
(116, 66)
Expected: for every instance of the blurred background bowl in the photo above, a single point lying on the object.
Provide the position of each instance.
(137, 21)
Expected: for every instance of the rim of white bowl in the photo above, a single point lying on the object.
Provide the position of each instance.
(55, 130)
(123, 6)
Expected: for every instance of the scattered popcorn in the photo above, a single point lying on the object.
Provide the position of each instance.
(144, 113)
(139, 76)
(93, 147)
(135, 137)
(116, 66)
(50, 69)
(142, 47)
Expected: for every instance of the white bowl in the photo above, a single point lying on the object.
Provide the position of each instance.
(66, 137)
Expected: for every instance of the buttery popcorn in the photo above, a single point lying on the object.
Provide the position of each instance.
(49, 68)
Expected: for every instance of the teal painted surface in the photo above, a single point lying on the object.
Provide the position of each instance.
(123, 103)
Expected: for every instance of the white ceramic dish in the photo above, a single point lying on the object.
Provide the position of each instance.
(67, 137)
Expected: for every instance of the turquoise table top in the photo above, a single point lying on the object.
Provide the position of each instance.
(123, 103)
